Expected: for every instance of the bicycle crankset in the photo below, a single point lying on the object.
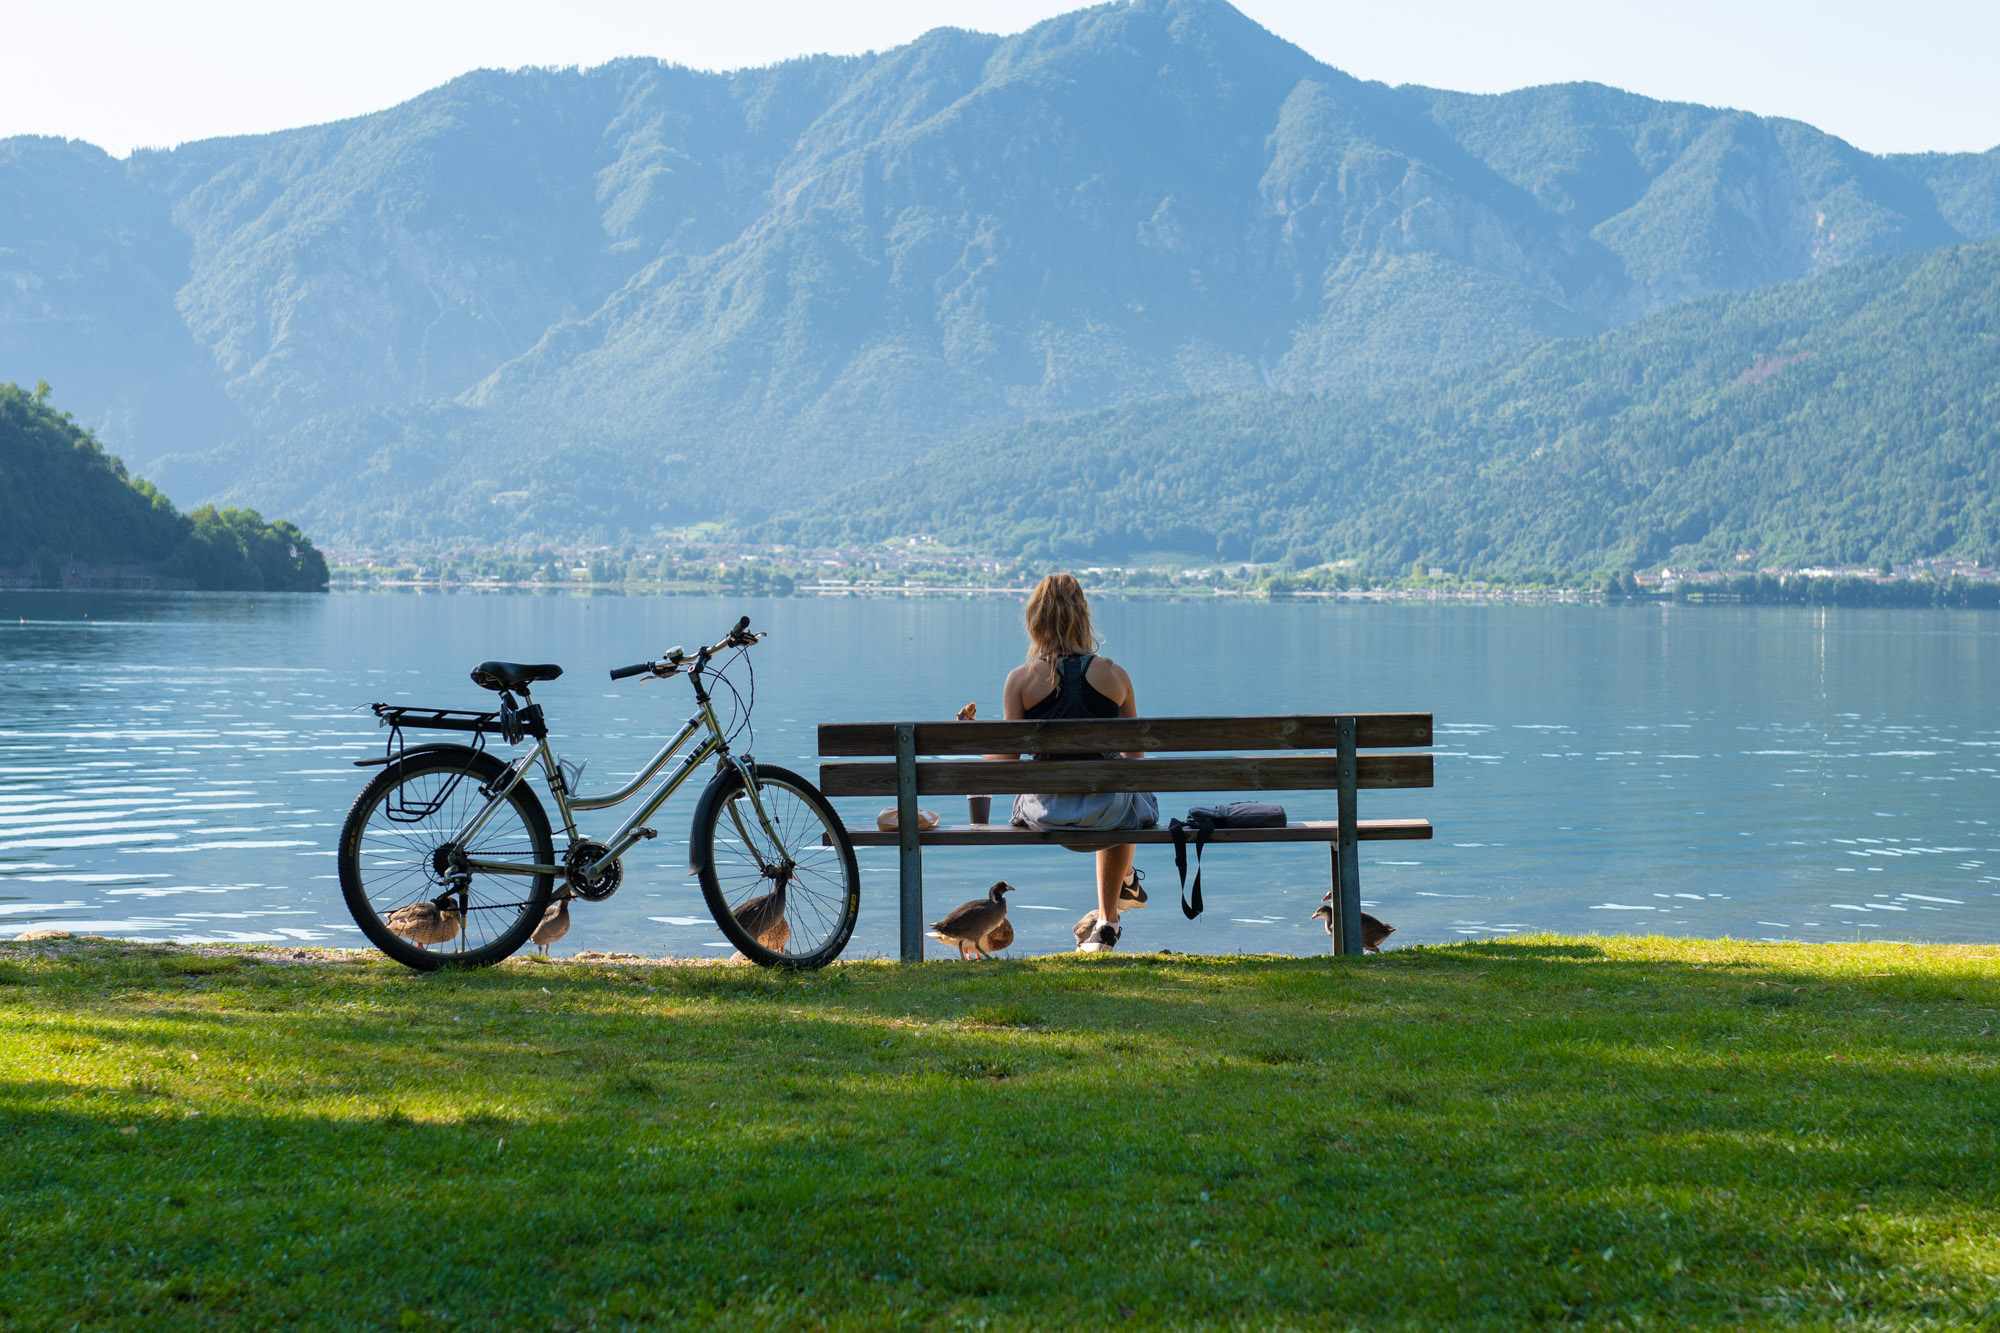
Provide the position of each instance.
(600, 881)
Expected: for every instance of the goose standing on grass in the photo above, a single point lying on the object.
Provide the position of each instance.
(1373, 932)
(428, 923)
(968, 925)
(763, 918)
(554, 924)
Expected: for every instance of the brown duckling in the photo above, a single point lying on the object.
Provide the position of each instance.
(1373, 932)
(428, 923)
(1000, 937)
(554, 924)
(969, 924)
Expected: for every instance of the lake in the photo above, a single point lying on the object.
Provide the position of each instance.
(176, 767)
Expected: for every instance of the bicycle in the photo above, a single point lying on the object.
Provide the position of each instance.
(450, 846)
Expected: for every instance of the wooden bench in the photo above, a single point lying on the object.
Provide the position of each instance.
(893, 771)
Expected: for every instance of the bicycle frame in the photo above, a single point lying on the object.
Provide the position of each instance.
(633, 830)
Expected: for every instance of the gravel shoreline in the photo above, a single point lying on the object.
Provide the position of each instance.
(61, 944)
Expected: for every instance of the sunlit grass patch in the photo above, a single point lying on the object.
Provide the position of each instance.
(1663, 1132)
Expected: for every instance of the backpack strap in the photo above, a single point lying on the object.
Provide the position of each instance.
(1191, 905)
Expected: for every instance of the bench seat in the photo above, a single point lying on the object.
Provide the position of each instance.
(1006, 835)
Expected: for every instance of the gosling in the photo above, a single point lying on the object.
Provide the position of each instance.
(1373, 932)
(426, 924)
(554, 924)
(763, 918)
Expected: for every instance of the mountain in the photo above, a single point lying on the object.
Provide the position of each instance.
(560, 302)
(1845, 418)
(65, 502)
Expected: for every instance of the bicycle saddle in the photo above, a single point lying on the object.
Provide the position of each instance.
(512, 675)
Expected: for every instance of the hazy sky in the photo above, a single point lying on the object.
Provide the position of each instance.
(124, 73)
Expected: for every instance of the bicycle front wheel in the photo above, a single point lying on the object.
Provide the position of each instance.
(791, 902)
(395, 853)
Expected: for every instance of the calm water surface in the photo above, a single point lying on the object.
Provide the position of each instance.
(177, 767)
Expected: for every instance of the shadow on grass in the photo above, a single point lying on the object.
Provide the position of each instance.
(1505, 1133)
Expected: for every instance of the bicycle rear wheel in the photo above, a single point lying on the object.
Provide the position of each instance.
(792, 903)
(394, 852)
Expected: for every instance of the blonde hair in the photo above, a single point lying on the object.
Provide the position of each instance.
(1059, 619)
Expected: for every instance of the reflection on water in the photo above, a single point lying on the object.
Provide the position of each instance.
(176, 767)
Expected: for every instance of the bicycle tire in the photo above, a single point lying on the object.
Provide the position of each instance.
(386, 859)
(822, 897)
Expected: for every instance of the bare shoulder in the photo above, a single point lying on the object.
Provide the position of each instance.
(1109, 679)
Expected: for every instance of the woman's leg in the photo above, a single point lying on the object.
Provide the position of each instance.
(1113, 865)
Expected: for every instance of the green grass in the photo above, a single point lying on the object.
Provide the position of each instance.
(1638, 1133)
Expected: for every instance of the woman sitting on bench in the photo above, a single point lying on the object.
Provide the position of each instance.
(1064, 678)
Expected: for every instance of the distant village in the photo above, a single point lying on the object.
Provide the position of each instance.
(920, 566)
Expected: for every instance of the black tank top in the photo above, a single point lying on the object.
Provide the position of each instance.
(1073, 696)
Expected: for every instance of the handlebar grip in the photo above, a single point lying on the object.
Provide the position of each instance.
(741, 625)
(637, 669)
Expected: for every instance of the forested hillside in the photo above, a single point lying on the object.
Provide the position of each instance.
(1849, 417)
(62, 496)
(486, 310)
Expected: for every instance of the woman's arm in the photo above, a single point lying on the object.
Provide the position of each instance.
(1011, 707)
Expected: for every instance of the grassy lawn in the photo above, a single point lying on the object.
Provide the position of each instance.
(1640, 1133)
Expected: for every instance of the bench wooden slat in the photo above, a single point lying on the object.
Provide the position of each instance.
(1003, 835)
(1220, 773)
(1373, 731)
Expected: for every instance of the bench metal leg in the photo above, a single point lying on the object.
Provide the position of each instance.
(912, 859)
(1339, 931)
(1347, 852)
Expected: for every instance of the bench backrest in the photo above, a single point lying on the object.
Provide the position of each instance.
(1273, 770)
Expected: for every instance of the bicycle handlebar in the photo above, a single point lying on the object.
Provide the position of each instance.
(738, 637)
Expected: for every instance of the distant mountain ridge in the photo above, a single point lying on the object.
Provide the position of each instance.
(560, 302)
(1852, 417)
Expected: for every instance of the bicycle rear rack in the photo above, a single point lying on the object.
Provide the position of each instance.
(396, 717)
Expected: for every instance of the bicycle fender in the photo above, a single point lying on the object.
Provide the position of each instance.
(382, 759)
(718, 788)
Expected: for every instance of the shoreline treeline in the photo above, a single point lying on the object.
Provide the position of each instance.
(70, 512)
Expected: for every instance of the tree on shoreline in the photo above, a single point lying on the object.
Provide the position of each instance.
(62, 498)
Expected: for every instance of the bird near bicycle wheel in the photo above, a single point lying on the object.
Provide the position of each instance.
(400, 867)
(778, 872)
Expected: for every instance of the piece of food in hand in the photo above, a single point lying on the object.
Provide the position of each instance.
(968, 924)
(887, 821)
(969, 713)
